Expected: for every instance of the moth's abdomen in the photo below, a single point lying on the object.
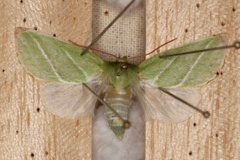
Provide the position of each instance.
(120, 101)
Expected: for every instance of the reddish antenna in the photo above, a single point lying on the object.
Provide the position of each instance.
(82, 46)
(109, 54)
(155, 48)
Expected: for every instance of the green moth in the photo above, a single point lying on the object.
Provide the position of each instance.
(60, 64)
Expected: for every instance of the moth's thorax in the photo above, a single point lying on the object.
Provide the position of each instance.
(120, 74)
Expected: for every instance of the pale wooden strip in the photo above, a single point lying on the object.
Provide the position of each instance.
(217, 137)
(28, 130)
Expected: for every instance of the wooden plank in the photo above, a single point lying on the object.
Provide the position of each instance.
(27, 130)
(198, 138)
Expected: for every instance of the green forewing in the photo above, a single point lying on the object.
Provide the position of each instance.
(184, 70)
(51, 59)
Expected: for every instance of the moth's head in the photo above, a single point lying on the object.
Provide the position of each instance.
(120, 73)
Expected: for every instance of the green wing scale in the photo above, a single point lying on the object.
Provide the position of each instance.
(185, 70)
(51, 59)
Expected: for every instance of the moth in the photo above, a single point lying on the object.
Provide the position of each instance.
(75, 81)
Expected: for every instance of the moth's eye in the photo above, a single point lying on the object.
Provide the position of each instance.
(124, 67)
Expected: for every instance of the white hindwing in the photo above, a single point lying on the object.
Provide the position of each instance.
(160, 106)
(70, 100)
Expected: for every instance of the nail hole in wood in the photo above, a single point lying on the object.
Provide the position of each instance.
(106, 13)
(32, 154)
(190, 153)
(219, 73)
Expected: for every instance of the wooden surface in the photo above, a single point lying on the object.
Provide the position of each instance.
(199, 139)
(28, 131)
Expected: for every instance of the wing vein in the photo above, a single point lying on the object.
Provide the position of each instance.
(72, 60)
(191, 68)
(47, 59)
(164, 69)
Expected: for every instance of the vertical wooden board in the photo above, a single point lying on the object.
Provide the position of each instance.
(197, 138)
(27, 129)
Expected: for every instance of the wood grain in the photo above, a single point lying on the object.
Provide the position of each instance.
(27, 130)
(198, 138)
